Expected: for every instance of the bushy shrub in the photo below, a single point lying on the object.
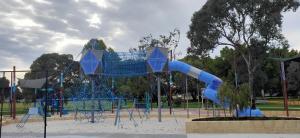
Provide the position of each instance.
(235, 97)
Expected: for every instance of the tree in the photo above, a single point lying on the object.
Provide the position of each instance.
(250, 27)
(4, 86)
(167, 41)
(97, 44)
(271, 67)
(234, 97)
(4, 83)
(293, 78)
(54, 63)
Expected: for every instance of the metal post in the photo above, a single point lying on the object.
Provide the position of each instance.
(113, 91)
(61, 94)
(2, 100)
(198, 95)
(10, 96)
(93, 101)
(159, 98)
(170, 93)
(2, 95)
(284, 89)
(202, 99)
(45, 106)
(170, 86)
(35, 92)
(117, 118)
(187, 98)
(14, 93)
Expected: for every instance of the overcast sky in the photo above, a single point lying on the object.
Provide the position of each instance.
(29, 28)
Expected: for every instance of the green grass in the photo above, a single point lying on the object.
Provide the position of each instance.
(21, 108)
(277, 107)
(274, 104)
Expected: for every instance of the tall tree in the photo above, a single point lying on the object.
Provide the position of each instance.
(167, 41)
(250, 27)
(54, 63)
(97, 44)
(293, 77)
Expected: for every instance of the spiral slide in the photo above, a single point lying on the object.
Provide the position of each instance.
(213, 83)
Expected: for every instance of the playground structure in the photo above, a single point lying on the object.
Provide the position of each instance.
(152, 60)
(94, 93)
(93, 89)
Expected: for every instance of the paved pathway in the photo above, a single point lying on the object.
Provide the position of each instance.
(120, 135)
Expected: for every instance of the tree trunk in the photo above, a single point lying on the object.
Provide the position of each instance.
(251, 70)
(252, 95)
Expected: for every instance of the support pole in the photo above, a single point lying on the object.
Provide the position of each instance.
(113, 92)
(61, 104)
(117, 118)
(284, 88)
(187, 98)
(45, 106)
(35, 97)
(198, 95)
(93, 101)
(170, 93)
(202, 99)
(159, 98)
(170, 86)
(14, 93)
(2, 100)
(10, 96)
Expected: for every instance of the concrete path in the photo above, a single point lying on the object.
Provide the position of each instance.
(91, 135)
(243, 136)
(120, 135)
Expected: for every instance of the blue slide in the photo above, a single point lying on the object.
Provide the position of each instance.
(212, 85)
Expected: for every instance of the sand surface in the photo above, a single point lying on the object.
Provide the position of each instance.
(106, 126)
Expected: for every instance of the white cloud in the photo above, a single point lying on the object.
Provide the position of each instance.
(24, 22)
(101, 3)
(33, 27)
(94, 21)
(13, 60)
(43, 2)
(62, 41)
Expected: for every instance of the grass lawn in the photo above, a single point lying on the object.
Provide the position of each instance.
(274, 104)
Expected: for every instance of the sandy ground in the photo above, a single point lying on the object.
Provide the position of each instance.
(170, 127)
(151, 128)
(104, 127)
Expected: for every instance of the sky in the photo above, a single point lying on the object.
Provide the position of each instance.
(30, 28)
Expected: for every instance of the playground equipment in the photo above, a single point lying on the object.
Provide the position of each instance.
(40, 106)
(152, 60)
(37, 110)
(212, 84)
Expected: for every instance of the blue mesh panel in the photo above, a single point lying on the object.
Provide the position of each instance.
(124, 64)
(157, 60)
(89, 63)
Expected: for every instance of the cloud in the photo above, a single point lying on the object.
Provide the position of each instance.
(33, 27)
(94, 21)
